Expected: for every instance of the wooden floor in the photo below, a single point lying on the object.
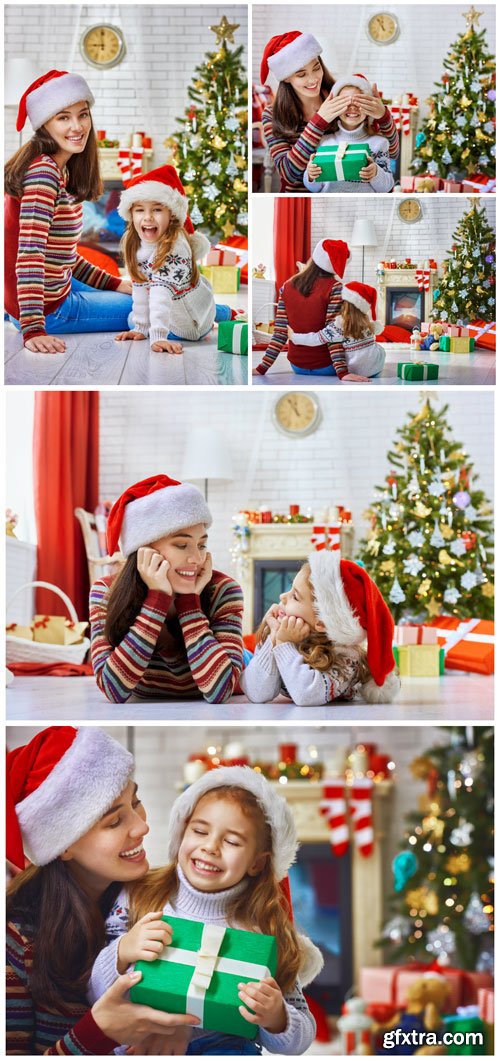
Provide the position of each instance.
(95, 358)
(438, 700)
(465, 369)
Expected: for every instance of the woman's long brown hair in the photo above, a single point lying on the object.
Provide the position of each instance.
(131, 242)
(66, 927)
(305, 280)
(125, 599)
(260, 906)
(288, 118)
(84, 178)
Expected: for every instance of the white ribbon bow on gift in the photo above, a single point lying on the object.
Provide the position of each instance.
(339, 161)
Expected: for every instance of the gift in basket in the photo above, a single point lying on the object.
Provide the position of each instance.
(263, 325)
(49, 638)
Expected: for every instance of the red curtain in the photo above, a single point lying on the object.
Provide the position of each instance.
(66, 476)
(292, 236)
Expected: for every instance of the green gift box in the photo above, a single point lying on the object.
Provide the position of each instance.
(341, 162)
(459, 1026)
(200, 970)
(224, 279)
(444, 343)
(417, 370)
(233, 337)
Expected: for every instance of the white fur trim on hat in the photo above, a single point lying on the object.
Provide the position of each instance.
(381, 694)
(294, 56)
(78, 791)
(357, 300)
(377, 327)
(331, 601)
(153, 192)
(199, 244)
(311, 960)
(276, 810)
(357, 81)
(163, 512)
(53, 96)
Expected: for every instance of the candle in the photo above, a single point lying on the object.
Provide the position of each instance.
(359, 759)
(422, 465)
(147, 142)
(333, 514)
(287, 753)
(266, 515)
(294, 510)
(126, 141)
(101, 134)
(137, 140)
(346, 515)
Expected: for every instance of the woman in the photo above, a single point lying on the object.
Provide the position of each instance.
(49, 288)
(167, 625)
(73, 808)
(303, 110)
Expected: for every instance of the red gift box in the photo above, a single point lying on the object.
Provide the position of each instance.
(468, 646)
(220, 256)
(479, 183)
(452, 186)
(413, 634)
(388, 984)
(240, 245)
(484, 335)
(486, 1003)
(407, 184)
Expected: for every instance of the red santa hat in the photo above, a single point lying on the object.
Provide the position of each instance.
(163, 185)
(356, 80)
(364, 298)
(332, 255)
(286, 53)
(57, 787)
(151, 509)
(49, 94)
(353, 610)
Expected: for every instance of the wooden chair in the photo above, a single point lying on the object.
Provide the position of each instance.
(98, 565)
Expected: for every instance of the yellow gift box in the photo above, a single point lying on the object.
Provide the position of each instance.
(224, 279)
(419, 661)
(50, 629)
(74, 633)
(15, 630)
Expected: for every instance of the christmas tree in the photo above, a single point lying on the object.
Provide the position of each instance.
(458, 136)
(443, 875)
(210, 152)
(430, 543)
(467, 288)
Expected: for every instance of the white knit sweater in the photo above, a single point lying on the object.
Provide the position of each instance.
(211, 909)
(166, 302)
(280, 668)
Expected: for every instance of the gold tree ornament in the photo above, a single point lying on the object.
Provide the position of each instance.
(225, 30)
(228, 229)
(459, 863)
(472, 16)
(433, 607)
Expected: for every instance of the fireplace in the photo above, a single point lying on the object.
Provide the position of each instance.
(271, 578)
(404, 308)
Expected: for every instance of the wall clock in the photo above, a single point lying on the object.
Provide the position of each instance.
(410, 210)
(383, 28)
(103, 46)
(297, 413)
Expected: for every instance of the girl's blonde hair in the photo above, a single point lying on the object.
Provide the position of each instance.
(355, 323)
(131, 242)
(319, 652)
(260, 905)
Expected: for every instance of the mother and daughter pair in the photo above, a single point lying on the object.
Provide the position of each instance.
(50, 289)
(168, 625)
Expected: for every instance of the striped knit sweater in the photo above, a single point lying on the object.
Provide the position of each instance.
(33, 1028)
(280, 334)
(201, 657)
(41, 235)
(291, 159)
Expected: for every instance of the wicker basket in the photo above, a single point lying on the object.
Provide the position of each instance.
(19, 650)
(261, 340)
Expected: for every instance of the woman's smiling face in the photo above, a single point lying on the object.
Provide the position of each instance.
(70, 128)
(307, 81)
(112, 850)
(186, 552)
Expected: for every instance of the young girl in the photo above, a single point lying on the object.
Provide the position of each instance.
(308, 299)
(167, 625)
(49, 288)
(352, 331)
(231, 840)
(354, 125)
(304, 108)
(170, 299)
(310, 647)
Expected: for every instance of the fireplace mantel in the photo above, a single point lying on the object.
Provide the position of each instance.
(304, 798)
(402, 279)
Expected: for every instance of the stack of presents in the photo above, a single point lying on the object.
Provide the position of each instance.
(476, 184)
(445, 338)
(445, 643)
(226, 268)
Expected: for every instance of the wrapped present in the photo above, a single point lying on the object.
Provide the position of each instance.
(240, 246)
(423, 179)
(468, 646)
(461, 345)
(479, 183)
(224, 279)
(74, 633)
(413, 634)
(221, 256)
(200, 970)
(452, 186)
(444, 343)
(16, 630)
(453, 329)
(388, 984)
(407, 184)
(484, 334)
(417, 370)
(467, 1030)
(233, 337)
(419, 661)
(50, 629)
(486, 1006)
(341, 162)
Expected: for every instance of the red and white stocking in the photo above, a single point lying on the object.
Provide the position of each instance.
(419, 277)
(361, 813)
(427, 276)
(333, 536)
(395, 109)
(405, 120)
(334, 807)
(124, 163)
(136, 161)
(318, 538)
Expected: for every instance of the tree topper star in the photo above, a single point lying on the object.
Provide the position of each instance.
(472, 16)
(225, 30)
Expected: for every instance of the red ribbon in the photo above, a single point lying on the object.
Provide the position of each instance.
(43, 622)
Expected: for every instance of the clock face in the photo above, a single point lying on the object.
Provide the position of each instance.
(410, 210)
(103, 46)
(297, 413)
(383, 28)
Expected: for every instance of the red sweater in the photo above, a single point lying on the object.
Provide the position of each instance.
(307, 314)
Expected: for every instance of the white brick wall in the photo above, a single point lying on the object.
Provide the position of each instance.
(145, 433)
(412, 64)
(148, 90)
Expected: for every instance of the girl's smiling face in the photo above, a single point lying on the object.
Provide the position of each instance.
(70, 128)
(307, 81)
(186, 552)
(220, 845)
(112, 849)
(298, 601)
(352, 117)
(150, 220)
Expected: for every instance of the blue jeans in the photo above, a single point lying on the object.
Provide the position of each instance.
(217, 1044)
(88, 310)
(222, 313)
(328, 371)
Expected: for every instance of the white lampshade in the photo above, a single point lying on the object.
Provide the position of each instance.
(19, 73)
(207, 455)
(364, 233)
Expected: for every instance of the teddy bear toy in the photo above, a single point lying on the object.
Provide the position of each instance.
(427, 185)
(431, 341)
(426, 999)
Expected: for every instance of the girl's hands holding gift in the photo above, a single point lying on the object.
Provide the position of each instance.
(293, 629)
(135, 336)
(153, 570)
(368, 172)
(144, 942)
(204, 575)
(313, 170)
(266, 1000)
(128, 1022)
(166, 346)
